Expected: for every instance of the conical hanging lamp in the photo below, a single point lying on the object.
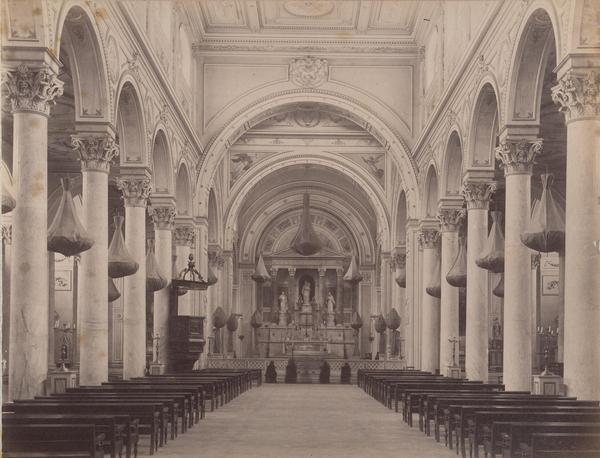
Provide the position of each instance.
(380, 324)
(435, 288)
(393, 319)
(66, 234)
(352, 275)
(154, 280)
(120, 262)
(8, 201)
(260, 275)
(499, 289)
(256, 319)
(219, 318)
(401, 275)
(232, 323)
(306, 242)
(356, 323)
(211, 278)
(492, 258)
(546, 230)
(113, 292)
(457, 276)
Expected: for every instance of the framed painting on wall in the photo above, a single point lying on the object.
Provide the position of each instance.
(550, 285)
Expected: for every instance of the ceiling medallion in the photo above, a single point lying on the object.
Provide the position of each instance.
(306, 8)
(308, 71)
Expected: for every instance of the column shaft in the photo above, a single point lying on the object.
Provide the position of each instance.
(449, 300)
(430, 331)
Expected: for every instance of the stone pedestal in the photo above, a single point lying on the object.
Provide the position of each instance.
(58, 381)
(547, 384)
(430, 354)
(136, 190)
(477, 195)
(31, 91)
(96, 154)
(282, 318)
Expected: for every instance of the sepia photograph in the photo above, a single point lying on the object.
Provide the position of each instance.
(300, 228)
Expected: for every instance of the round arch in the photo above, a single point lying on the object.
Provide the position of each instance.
(183, 195)
(430, 193)
(214, 219)
(161, 164)
(401, 219)
(452, 165)
(342, 106)
(332, 161)
(130, 123)
(484, 128)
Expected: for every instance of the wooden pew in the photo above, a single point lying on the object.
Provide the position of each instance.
(116, 428)
(60, 440)
(214, 388)
(505, 438)
(147, 414)
(563, 445)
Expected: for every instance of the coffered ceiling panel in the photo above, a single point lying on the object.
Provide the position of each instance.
(308, 15)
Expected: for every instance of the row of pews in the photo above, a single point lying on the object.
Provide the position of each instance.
(91, 421)
(475, 418)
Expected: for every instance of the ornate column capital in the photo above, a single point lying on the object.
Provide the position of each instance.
(518, 156)
(32, 89)
(399, 260)
(578, 95)
(163, 216)
(450, 218)
(477, 194)
(136, 190)
(184, 236)
(322, 271)
(95, 152)
(428, 238)
(274, 271)
(339, 271)
(291, 272)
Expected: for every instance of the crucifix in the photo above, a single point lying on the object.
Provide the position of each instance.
(453, 341)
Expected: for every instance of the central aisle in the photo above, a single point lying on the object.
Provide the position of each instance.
(303, 421)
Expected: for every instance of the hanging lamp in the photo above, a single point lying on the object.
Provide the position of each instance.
(219, 318)
(546, 229)
(260, 275)
(256, 319)
(306, 242)
(113, 292)
(457, 275)
(380, 324)
(353, 275)
(499, 289)
(393, 319)
(211, 278)
(435, 288)
(8, 201)
(120, 262)
(356, 323)
(154, 280)
(492, 258)
(401, 276)
(232, 323)
(66, 234)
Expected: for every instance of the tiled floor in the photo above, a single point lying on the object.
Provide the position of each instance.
(303, 421)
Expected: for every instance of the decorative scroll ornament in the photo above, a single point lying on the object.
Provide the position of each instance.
(353, 275)
(113, 292)
(66, 234)
(32, 89)
(120, 262)
(260, 274)
(477, 194)
(546, 230)
(492, 258)
(450, 218)
(356, 322)
(95, 153)
(578, 95)
(308, 71)
(435, 288)
(154, 279)
(256, 319)
(136, 190)
(380, 324)
(306, 242)
(8, 201)
(518, 156)
(393, 319)
(163, 217)
(457, 275)
(219, 318)
(184, 236)
(428, 238)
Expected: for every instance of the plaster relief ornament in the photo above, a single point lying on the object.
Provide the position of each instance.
(306, 8)
(308, 71)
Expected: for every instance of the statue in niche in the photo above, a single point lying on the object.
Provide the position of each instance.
(496, 329)
(330, 303)
(306, 293)
(283, 302)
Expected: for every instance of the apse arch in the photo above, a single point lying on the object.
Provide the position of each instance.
(343, 106)
(78, 32)
(183, 191)
(452, 166)
(331, 161)
(130, 123)
(431, 193)
(161, 164)
(484, 129)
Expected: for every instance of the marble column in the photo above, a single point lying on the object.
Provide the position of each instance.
(184, 239)
(96, 154)
(517, 157)
(275, 294)
(31, 92)
(339, 289)
(477, 196)
(163, 217)
(136, 190)
(401, 303)
(450, 220)
(413, 335)
(293, 292)
(578, 97)
(430, 359)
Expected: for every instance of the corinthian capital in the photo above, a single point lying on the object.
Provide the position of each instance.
(578, 95)
(184, 235)
(428, 238)
(95, 153)
(518, 156)
(136, 190)
(163, 217)
(477, 194)
(32, 89)
(450, 218)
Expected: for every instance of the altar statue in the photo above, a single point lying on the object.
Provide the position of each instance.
(306, 293)
(330, 303)
(283, 302)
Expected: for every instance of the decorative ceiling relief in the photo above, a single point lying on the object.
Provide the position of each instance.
(241, 162)
(374, 163)
(308, 71)
(312, 9)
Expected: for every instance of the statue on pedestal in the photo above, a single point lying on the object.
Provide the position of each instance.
(306, 293)
(330, 309)
(283, 302)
